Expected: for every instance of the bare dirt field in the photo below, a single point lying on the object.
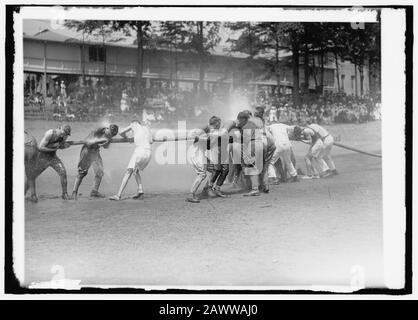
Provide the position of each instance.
(307, 233)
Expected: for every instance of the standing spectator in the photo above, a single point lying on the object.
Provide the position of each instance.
(124, 104)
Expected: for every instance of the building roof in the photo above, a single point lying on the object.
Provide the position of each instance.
(44, 30)
(48, 35)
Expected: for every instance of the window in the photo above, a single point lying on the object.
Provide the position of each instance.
(329, 78)
(97, 54)
(352, 82)
(342, 81)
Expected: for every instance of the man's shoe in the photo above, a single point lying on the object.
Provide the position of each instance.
(335, 172)
(326, 175)
(252, 193)
(275, 182)
(96, 194)
(264, 189)
(64, 196)
(219, 193)
(115, 197)
(33, 198)
(73, 196)
(138, 196)
(211, 193)
(205, 190)
(193, 200)
(307, 178)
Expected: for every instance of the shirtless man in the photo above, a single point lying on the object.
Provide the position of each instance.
(90, 156)
(39, 158)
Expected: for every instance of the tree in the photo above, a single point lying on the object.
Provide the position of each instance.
(143, 31)
(201, 37)
(248, 42)
(97, 29)
(362, 45)
(320, 39)
(290, 36)
(372, 31)
(270, 34)
(336, 45)
(172, 34)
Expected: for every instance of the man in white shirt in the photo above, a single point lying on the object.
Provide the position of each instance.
(140, 158)
(280, 133)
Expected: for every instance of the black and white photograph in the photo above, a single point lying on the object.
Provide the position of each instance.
(235, 148)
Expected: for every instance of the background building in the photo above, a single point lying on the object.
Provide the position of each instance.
(54, 55)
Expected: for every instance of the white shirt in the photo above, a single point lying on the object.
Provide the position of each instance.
(279, 132)
(142, 135)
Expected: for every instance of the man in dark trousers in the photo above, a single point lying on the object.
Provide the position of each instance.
(257, 150)
(39, 158)
(90, 156)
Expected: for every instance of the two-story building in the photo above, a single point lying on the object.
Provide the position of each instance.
(49, 54)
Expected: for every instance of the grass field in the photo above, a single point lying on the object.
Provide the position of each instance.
(306, 233)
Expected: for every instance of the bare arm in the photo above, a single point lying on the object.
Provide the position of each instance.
(64, 144)
(308, 139)
(99, 141)
(123, 132)
(44, 142)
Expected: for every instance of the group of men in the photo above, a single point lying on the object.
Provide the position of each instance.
(39, 158)
(242, 147)
(237, 145)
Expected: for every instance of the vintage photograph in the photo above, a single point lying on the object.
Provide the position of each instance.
(182, 153)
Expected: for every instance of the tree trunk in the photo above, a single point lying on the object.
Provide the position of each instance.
(361, 80)
(44, 93)
(83, 62)
(295, 62)
(314, 72)
(337, 70)
(355, 79)
(372, 88)
(176, 68)
(201, 62)
(321, 62)
(250, 40)
(139, 62)
(277, 68)
(306, 71)
(104, 64)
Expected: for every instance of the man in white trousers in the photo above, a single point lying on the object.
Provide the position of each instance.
(318, 159)
(140, 158)
(280, 133)
(199, 152)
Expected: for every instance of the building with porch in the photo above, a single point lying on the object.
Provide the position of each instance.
(52, 55)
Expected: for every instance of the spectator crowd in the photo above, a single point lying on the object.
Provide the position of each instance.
(92, 99)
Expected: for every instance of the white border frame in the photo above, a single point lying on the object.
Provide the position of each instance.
(393, 79)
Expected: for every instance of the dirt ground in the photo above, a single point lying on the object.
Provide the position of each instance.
(307, 233)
